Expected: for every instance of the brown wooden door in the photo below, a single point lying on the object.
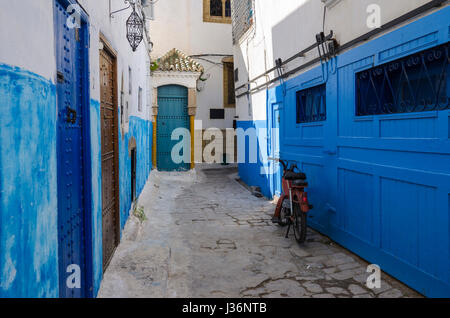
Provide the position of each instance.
(110, 193)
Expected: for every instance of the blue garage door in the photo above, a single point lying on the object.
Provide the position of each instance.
(172, 114)
(70, 45)
(377, 151)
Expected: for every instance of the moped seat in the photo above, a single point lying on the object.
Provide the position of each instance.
(290, 176)
(299, 183)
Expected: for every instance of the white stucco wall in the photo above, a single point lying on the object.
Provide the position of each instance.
(30, 30)
(114, 30)
(179, 24)
(32, 22)
(281, 31)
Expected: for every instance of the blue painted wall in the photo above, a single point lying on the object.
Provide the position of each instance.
(28, 185)
(255, 174)
(96, 173)
(142, 131)
(380, 184)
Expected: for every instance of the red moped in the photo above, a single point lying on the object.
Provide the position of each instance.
(293, 206)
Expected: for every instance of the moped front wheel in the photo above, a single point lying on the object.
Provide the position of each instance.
(299, 223)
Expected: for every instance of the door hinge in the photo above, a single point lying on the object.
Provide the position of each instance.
(60, 77)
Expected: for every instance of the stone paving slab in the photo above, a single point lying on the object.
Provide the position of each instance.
(207, 236)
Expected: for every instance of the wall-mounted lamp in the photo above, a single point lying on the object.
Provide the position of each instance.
(134, 24)
(135, 29)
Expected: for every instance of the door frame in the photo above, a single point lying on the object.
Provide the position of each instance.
(86, 135)
(107, 47)
(274, 167)
(191, 126)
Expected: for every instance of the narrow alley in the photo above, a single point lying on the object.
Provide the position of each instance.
(155, 149)
(205, 235)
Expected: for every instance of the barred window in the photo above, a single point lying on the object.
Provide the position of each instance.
(228, 8)
(242, 17)
(215, 8)
(229, 98)
(217, 11)
(312, 105)
(416, 83)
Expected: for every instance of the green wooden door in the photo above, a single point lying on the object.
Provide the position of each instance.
(172, 114)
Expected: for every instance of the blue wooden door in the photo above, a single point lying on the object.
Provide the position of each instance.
(71, 224)
(274, 148)
(172, 114)
(393, 162)
(378, 158)
(308, 137)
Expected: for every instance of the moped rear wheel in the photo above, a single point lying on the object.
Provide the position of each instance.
(284, 214)
(299, 223)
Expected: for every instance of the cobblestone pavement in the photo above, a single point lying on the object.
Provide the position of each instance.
(207, 236)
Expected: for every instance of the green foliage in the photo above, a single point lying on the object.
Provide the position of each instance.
(140, 213)
(154, 66)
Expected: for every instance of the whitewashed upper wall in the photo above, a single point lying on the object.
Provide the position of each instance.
(179, 23)
(114, 30)
(283, 28)
(26, 34)
(27, 41)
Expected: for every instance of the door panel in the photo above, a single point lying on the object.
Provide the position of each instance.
(172, 114)
(110, 194)
(274, 148)
(312, 146)
(71, 213)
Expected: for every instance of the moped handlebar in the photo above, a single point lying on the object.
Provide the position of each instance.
(283, 163)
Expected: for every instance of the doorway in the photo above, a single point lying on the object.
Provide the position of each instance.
(133, 175)
(72, 155)
(110, 157)
(274, 148)
(172, 114)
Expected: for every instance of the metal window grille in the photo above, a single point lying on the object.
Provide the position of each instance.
(242, 17)
(228, 8)
(416, 83)
(311, 105)
(231, 97)
(216, 9)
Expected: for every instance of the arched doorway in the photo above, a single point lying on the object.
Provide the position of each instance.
(172, 114)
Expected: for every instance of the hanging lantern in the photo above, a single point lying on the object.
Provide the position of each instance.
(135, 29)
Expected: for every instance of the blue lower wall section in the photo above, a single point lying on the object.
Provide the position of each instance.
(141, 130)
(28, 185)
(254, 174)
(96, 201)
(380, 185)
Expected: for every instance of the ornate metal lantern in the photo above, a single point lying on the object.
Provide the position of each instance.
(135, 29)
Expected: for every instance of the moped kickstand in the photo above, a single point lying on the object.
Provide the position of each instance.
(287, 233)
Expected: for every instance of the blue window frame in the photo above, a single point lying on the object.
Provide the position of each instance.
(312, 105)
(417, 83)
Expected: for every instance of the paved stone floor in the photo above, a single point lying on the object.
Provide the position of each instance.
(207, 236)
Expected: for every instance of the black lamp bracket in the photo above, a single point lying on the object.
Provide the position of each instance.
(131, 3)
(327, 46)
